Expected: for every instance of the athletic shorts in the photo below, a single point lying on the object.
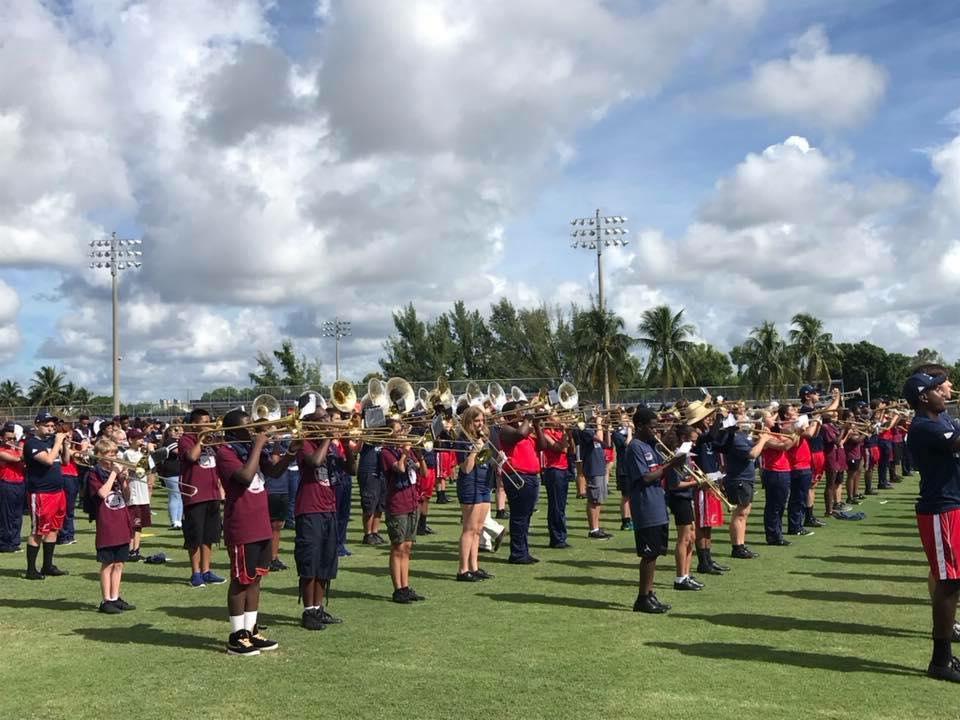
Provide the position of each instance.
(623, 484)
(315, 546)
(853, 463)
(201, 524)
(47, 512)
(818, 462)
(739, 492)
(428, 483)
(115, 554)
(373, 492)
(940, 535)
(597, 489)
(874, 457)
(403, 528)
(139, 516)
(652, 542)
(279, 505)
(249, 561)
(681, 508)
(708, 509)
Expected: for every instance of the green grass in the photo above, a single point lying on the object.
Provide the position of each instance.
(835, 626)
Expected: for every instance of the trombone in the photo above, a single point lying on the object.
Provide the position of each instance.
(695, 473)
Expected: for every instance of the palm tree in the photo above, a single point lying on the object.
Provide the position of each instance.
(768, 360)
(598, 336)
(11, 394)
(666, 338)
(812, 348)
(47, 387)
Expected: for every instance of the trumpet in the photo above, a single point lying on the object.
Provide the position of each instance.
(695, 473)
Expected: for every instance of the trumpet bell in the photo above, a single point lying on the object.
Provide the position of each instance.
(343, 397)
(400, 393)
(568, 396)
(266, 407)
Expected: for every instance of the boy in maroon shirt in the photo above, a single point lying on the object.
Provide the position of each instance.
(201, 512)
(246, 528)
(109, 486)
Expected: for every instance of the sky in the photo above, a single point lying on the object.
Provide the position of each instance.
(290, 162)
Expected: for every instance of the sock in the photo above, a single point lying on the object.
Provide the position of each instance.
(942, 654)
(702, 557)
(679, 579)
(313, 607)
(32, 552)
(236, 623)
(708, 556)
(48, 548)
(421, 523)
(250, 620)
(114, 599)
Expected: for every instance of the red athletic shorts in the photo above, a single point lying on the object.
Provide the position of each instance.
(47, 511)
(940, 535)
(874, 457)
(818, 462)
(427, 484)
(708, 510)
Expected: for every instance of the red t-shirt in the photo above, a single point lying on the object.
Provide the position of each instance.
(556, 459)
(315, 495)
(775, 460)
(114, 526)
(12, 472)
(70, 469)
(403, 495)
(246, 515)
(201, 474)
(522, 454)
(800, 456)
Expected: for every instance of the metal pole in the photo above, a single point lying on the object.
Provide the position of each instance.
(606, 369)
(336, 325)
(867, 373)
(116, 331)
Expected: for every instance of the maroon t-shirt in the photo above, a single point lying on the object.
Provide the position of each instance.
(403, 495)
(113, 521)
(246, 515)
(315, 495)
(201, 474)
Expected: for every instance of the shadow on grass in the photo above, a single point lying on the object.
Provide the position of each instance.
(868, 577)
(776, 656)
(58, 604)
(336, 594)
(590, 564)
(587, 580)
(894, 534)
(143, 634)
(848, 597)
(531, 598)
(144, 578)
(861, 560)
(385, 572)
(784, 624)
(893, 547)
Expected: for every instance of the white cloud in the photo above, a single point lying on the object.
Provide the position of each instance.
(10, 339)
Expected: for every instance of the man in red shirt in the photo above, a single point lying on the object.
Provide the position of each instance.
(12, 490)
(201, 511)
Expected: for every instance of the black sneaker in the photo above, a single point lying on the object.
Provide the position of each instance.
(109, 607)
(483, 574)
(528, 560)
(124, 605)
(814, 522)
(134, 556)
(502, 515)
(413, 595)
(400, 596)
(260, 642)
(872, 492)
(708, 570)
(717, 566)
(53, 571)
(802, 532)
(369, 539)
(378, 539)
(782, 542)
(34, 575)
(949, 672)
(241, 643)
(599, 535)
(289, 525)
(742, 552)
(649, 604)
(467, 577)
(665, 606)
(311, 620)
(560, 545)
(328, 619)
(688, 583)
(277, 565)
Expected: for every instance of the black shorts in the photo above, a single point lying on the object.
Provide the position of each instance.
(315, 546)
(623, 484)
(739, 492)
(652, 542)
(279, 506)
(115, 554)
(373, 492)
(201, 524)
(682, 509)
(249, 561)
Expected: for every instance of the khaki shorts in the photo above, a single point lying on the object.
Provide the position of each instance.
(403, 528)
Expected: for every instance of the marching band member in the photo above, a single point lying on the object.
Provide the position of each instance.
(447, 459)
(853, 451)
(708, 509)
(554, 443)
(201, 512)
(44, 454)
(315, 547)
(168, 470)
(108, 485)
(871, 447)
(775, 477)
(594, 441)
(278, 502)
(338, 461)
(680, 489)
(138, 503)
(651, 524)
(833, 437)
(801, 469)
(518, 441)
(809, 397)
(473, 492)
(402, 471)
(622, 437)
(373, 492)
(428, 485)
(12, 490)
(71, 489)
(740, 455)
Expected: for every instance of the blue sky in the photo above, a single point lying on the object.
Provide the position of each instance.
(288, 162)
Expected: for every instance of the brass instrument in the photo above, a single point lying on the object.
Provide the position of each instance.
(343, 397)
(401, 395)
(692, 471)
(266, 407)
(496, 395)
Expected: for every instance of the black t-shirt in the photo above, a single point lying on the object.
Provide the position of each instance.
(931, 447)
(42, 478)
(369, 461)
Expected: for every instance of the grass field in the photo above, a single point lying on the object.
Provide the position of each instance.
(835, 626)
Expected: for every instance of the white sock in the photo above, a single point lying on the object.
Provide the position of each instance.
(236, 623)
(113, 599)
(680, 578)
(249, 620)
(313, 607)
(596, 529)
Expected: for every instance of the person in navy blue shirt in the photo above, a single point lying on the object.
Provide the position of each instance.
(43, 455)
(740, 455)
(651, 525)
(621, 438)
(935, 447)
(593, 442)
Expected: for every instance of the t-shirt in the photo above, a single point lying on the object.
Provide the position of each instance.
(480, 472)
(853, 449)
(816, 442)
(315, 493)
(139, 492)
(403, 496)
(591, 453)
(556, 459)
(799, 455)
(337, 462)
(736, 452)
(775, 460)
(930, 443)
(522, 454)
(42, 478)
(648, 504)
(619, 446)
(705, 455)
(674, 478)
(279, 485)
(201, 474)
(369, 459)
(114, 526)
(12, 472)
(246, 515)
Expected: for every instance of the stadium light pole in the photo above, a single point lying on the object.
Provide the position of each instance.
(596, 233)
(116, 255)
(336, 329)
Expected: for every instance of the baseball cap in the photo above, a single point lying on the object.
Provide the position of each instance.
(919, 383)
(807, 390)
(44, 417)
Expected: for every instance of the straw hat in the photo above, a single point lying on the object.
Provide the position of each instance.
(697, 411)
